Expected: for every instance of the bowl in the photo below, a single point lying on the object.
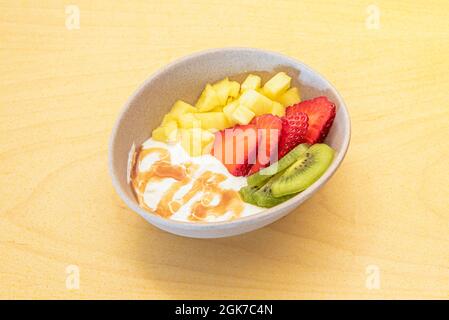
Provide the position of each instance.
(184, 79)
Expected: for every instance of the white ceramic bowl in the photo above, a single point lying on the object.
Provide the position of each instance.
(184, 79)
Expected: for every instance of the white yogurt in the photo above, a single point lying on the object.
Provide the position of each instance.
(155, 190)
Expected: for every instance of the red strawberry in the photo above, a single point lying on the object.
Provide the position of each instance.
(294, 130)
(269, 130)
(236, 148)
(321, 113)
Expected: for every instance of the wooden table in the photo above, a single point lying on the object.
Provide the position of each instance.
(378, 229)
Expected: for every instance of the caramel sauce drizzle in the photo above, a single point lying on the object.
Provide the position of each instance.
(208, 183)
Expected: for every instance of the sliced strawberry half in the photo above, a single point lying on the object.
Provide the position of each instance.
(321, 112)
(236, 148)
(294, 130)
(268, 130)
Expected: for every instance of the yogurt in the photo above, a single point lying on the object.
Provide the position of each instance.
(169, 182)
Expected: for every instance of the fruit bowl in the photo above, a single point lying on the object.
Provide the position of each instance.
(185, 78)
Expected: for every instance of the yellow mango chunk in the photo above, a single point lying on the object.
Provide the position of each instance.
(167, 118)
(243, 115)
(291, 97)
(171, 131)
(159, 134)
(229, 109)
(235, 89)
(217, 109)
(196, 141)
(181, 107)
(208, 99)
(277, 85)
(167, 132)
(256, 102)
(188, 120)
(277, 109)
(251, 82)
(212, 120)
(222, 88)
(207, 141)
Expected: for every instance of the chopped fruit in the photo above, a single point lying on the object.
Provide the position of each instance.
(212, 120)
(268, 129)
(159, 134)
(167, 132)
(242, 115)
(304, 172)
(259, 178)
(321, 113)
(217, 109)
(255, 101)
(264, 196)
(229, 109)
(181, 107)
(208, 100)
(222, 88)
(196, 141)
(277, 109)
(236, 148)
(246, 193)
(188, 120)
(291, 97)
(294, 130)
(167, 118)
(277, 85)
(235, 89)
(251, 82)
(171, 131)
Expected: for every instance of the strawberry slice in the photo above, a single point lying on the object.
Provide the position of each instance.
(236, 148)
(294, 130)
(321, 113)
(268, 130)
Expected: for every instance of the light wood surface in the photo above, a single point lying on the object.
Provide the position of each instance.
(386, 209)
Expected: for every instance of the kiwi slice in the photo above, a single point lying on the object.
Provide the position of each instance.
(264, 197)
(260, 177)
(247, 194)
(305, 171)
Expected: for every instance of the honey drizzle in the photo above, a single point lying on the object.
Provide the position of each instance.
(208, 183)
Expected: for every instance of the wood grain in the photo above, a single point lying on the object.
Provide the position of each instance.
(387, 206)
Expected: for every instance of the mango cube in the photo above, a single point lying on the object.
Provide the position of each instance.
(251, 82)
(256, 102)
(291, 97)
(167, 132)
(167, 118)
(196, 141)
(222, 88)
(208, 99)
(171, 131)
(242, 115)
(181, 107)
(212, 120)
(234, 90)
(277, 109)
(188, 120)
(229, 109)
(277, 85)
(159, 134)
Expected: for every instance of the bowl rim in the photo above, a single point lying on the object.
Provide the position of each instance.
(301, 197)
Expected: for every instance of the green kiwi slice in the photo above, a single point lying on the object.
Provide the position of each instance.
(260, 177)
(304, 172)
(264, 197)
(246, 193)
